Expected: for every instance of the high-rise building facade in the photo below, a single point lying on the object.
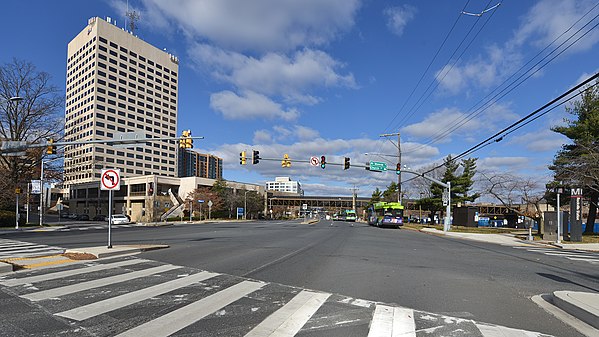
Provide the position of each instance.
(117, 84)
(194, 164)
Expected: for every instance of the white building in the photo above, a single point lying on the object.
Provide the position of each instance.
(285, 184)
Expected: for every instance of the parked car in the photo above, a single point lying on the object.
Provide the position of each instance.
(73, 216)
(120, 219)
(100, 217)
(83, 217)
(65, 215)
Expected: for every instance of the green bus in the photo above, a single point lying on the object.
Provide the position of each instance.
(383, 214)
(350, 215)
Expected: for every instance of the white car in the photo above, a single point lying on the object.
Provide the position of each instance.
(120, 219)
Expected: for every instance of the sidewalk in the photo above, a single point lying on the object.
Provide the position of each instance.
(578, 309)
(74, 255)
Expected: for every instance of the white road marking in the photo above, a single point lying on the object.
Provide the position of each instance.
(289, 319)
(176, 320)
(392, 322)
(67, 273)
(73, 288)
(98, 308)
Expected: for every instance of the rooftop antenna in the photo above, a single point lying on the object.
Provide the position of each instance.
(132, 17)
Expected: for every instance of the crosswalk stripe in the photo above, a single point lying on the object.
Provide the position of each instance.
(588, 259)
(21, 246)
(32, 250)
(392, 322)
(176, 320)
(73, 288)
(289, 319)
(67, 273)
(101, 307)
(500, 331)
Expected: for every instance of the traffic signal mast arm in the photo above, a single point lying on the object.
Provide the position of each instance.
(303, 161)
(18, 148)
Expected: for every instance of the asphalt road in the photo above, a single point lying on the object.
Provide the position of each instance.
(474, 280)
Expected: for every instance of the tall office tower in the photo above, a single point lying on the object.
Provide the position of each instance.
(117, 84)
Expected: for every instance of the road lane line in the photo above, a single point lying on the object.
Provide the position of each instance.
(176, 320)
(289, 319)
(67, 273)
(392, 322)
(73, 288)
(111, 304)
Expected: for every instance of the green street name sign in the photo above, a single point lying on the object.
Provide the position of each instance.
(378, 166)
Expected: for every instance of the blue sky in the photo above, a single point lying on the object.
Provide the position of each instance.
(327, 77)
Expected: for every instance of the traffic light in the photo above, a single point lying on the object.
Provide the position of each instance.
(286, 162)
(346, 164)
(255, 157)
(187, 140)
(242, 158)
(323, 162)
(51, 149)
(398, 169)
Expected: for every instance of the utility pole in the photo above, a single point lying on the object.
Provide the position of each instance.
(398, 146)
(354, 195)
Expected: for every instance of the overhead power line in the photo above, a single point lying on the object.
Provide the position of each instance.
(499, 136)
(474, 112)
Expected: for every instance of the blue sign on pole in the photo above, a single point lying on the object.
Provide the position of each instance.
(200, 201)
(239, 210)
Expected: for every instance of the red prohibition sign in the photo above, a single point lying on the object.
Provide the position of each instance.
(110, 179)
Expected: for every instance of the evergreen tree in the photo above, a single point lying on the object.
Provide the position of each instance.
(390, 194)
(577, 163)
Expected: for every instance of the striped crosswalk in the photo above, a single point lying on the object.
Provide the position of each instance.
(16, 249)
(141, 297)
(573, 255)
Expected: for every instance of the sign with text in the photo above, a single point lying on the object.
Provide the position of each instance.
(377, 166)
(36, 187)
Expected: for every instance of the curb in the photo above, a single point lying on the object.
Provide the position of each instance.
(102, 252)
(570, 302)
(5, 268)
(547, 302)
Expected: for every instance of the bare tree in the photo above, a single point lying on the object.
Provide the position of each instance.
(35, 118)
(522, 195)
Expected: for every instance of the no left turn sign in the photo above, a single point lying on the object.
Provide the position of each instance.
(110, 180)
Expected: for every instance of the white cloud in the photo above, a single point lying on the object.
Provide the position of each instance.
(548, 19)
(305, 133)
(544, 22)
(541, 141)
(248, 106)
(257, 25)
(262, 137)
(495, 163)
(398, 17)
(443, 124)
(291, 78)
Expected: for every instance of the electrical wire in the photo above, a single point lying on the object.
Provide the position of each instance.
(476, 112)
(516, 125)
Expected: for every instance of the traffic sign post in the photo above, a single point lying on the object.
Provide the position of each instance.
(110, 180)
